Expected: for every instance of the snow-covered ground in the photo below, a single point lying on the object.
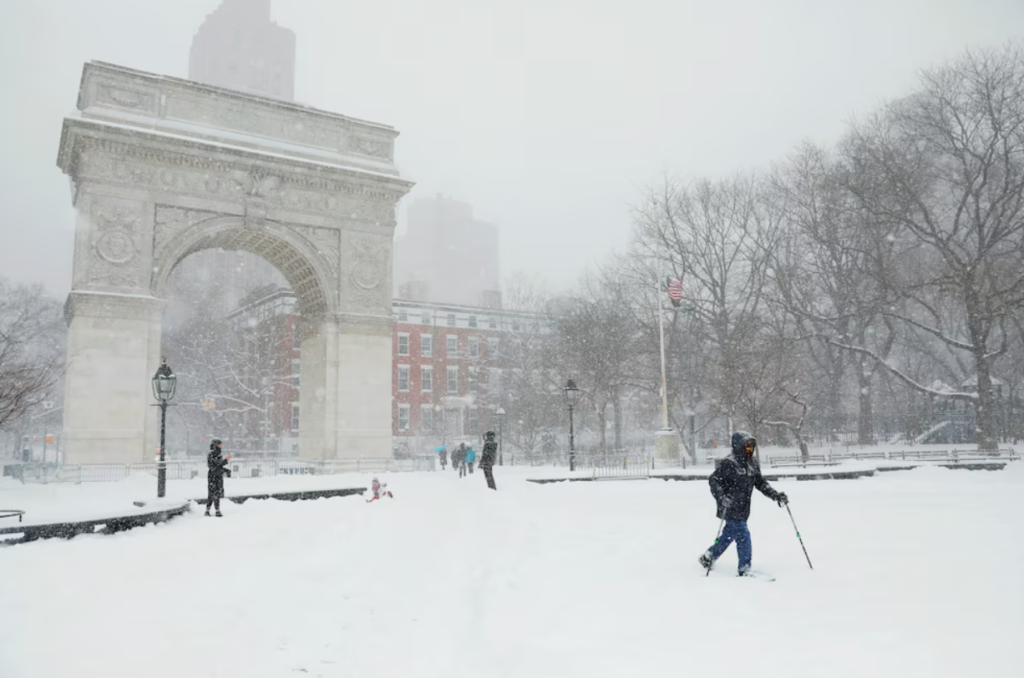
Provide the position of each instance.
(916, 575)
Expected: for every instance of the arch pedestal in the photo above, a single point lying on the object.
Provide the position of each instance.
(161, 168)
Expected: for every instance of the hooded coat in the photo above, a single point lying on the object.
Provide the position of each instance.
(735, 478)
(490, 453)
(216, 469)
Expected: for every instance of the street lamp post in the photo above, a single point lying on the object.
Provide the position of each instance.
(572, 396)
(499, 414)
(164, 383)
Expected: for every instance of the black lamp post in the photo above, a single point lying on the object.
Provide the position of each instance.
(572, 396)
(499, 414)
(164, 383)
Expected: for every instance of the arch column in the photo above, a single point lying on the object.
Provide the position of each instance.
(345, 398)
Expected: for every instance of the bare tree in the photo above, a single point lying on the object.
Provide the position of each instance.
(32, 349)
(717, 238)
(946, 166)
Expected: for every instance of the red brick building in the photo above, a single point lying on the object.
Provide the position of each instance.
(448, 372)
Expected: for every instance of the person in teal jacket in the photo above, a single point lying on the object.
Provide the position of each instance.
(470, 458)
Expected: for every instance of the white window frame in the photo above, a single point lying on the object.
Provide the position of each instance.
(426, 378)
(403, 316)
(296, 413)
(425, 317)
(403, 370)
(449, 340)
(452, 371)
(403, 408)
(427, 345)
(452, 320)
(472, 321)
(427, 410)
(493, 348)
(401, 336)
(474, 347)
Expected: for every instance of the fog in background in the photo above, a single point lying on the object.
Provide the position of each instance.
(548, 116)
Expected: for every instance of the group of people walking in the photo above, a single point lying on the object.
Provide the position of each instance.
(463, 457)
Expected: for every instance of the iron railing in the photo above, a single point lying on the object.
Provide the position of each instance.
(240, 468)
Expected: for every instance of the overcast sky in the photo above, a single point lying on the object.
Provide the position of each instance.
(549, 116)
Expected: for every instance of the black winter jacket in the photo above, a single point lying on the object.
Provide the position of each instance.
(735, 478)
(489, 455)
(216, 469)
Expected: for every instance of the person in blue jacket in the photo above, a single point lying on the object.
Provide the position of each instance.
(470, 458)
(732, 485)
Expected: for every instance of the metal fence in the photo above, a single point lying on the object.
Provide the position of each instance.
(240, 468)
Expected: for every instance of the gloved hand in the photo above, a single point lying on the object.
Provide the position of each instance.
(781, 498)
(726, 502)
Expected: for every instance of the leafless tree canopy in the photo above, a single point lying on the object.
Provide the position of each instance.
(32, 349)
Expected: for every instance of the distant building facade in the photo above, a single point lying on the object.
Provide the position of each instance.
(447, 256)
(451, 369)
(267, 364)
(238, 47)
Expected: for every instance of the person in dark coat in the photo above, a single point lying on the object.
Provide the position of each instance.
(216, 469)
(732, 484)
(461, 456)
(488, 457)
(444, 457)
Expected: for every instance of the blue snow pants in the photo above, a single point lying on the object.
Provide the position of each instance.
(735, 530)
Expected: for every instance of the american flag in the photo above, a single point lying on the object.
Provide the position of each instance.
(675, 291)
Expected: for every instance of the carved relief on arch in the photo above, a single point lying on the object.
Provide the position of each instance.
(367, 268)
(114, 243)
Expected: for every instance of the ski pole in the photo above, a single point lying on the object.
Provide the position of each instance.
(798, 536)
(718, 536)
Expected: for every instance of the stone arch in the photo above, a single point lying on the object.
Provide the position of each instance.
(161, 168)
(306, 269)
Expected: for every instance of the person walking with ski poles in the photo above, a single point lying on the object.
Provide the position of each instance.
(216, 469)
(488, 457)
(732, 485)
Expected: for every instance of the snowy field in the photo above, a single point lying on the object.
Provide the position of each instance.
(916, 575)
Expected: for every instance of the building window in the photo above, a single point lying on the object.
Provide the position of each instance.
(492, 348)
(403, 316)
(474, 347)
(453, 379)
(427, 418)
(474, 419)
(426, 378)
(474, 377)
(426, 317)
(452, 349)
(403, 377)
(427, 346)
(451, 320)
(472, 321)
(295, 416)
(403, 417)
(403, 344)
(492, 322)
(296, 371)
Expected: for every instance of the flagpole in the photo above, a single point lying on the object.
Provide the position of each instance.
(661, 337)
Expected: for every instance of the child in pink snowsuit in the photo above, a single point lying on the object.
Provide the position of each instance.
(379, 490)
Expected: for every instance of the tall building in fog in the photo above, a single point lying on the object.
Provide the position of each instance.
(446, 256)
(238, 47)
